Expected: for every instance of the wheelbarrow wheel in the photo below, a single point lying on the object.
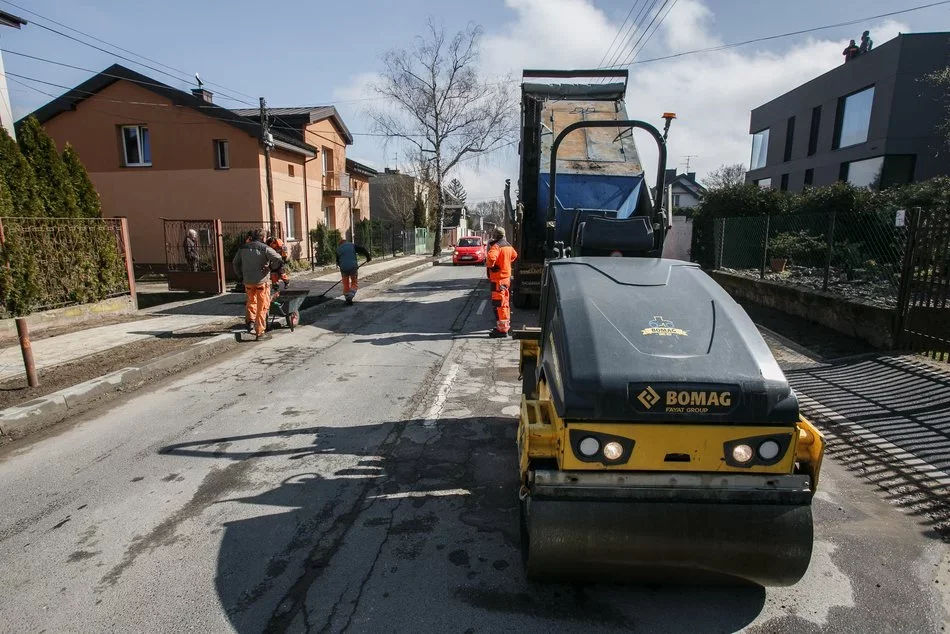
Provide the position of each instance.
(293, 319)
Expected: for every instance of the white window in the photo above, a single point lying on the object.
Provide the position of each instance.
(221, 159)
(760, 149)
(676, 200)
(136, 146)
(764, 183)
(327, 165)
(290, 220)
(328, 216)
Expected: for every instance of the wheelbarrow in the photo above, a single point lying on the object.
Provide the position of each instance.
(286, 304)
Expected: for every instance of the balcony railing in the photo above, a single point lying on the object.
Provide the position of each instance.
(336, 182)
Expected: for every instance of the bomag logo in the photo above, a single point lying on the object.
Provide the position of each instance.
(663, 328)
(696, 402)
(648, 397)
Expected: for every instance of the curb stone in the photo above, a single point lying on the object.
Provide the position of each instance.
(45, 411)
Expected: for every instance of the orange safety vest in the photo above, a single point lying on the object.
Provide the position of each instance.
(501, 255)
(277, 245)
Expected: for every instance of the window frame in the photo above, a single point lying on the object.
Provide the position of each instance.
(676, 200)
(783, 183)
(218, 145)
(845, 172)
(768, 184)
(290, 220)
(842, 113)
(763, 152)
(810, 177)
(814, 131)
(789, 138)
(140, 145)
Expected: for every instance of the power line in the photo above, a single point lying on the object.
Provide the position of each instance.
(114, 54)
(723, 47)
(643, 36)
(619, 31)
(655, 29)
(621, 52)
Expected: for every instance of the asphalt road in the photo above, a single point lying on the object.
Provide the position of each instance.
(360, 475)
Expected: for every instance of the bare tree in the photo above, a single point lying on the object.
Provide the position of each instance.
(492, 211)
(399, 197)
(440, 106)
(725, 176)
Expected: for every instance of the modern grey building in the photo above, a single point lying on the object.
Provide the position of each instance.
(873, 121)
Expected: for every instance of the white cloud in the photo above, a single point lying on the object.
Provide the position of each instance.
(712, 93)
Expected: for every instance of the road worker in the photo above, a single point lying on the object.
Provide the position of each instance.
(501, 255)
(280, 275)
(346, 254)
(254, 262)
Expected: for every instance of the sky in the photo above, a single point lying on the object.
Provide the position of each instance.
(321, 52)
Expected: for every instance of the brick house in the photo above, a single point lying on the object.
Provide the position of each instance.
(155, 152)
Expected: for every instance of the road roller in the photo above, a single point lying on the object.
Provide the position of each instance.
(659, 441)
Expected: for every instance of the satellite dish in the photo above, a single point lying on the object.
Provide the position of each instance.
(200, 83)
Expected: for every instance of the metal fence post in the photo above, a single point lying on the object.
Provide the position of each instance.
(765, 246)
(219, 256)
(904, 288)
(831, 246)
(129, 266)
(719, 227)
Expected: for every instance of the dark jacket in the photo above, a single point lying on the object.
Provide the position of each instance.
(346, 257)
(254, 261)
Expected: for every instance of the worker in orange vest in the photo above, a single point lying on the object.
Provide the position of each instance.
(280, 275)
(501, 255)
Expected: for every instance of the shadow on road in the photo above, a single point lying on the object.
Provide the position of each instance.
(904, 402)
(379, 521)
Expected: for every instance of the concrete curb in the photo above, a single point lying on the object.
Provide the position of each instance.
(20, 421)
(43, 412)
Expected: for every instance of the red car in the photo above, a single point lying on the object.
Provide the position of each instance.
(470, 250)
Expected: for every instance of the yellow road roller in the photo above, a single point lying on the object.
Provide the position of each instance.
(659, 440)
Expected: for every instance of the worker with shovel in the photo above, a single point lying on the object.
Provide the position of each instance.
(346, 254)
(254, 262)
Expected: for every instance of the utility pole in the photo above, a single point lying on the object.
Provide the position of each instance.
(268, 143)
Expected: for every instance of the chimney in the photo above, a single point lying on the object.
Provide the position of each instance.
(201, 93)
(670, 175)
(691, 176)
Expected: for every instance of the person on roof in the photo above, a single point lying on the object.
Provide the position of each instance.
(501, 255)
(254, 262)
(346, 254)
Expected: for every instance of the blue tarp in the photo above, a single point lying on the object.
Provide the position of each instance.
(619, 194)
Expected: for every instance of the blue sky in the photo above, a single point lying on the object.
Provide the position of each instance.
(326, 52)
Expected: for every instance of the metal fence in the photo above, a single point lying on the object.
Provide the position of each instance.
(234, 233)
(857, 256)
(58, 262)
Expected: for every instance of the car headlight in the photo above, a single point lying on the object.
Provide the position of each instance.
(742, 453)
(589, 446)
(613, 450)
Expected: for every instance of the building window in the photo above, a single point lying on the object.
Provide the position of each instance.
(328, 216)
(676, 200)
(764, 182)
(290, 220)
(809, 176)
(866, 173)
(898, 170)
(327, 161)
(854, 118)
(760, 148)
(290, 170)
(136, 145)
(815, 127)
(222, 160)
(789, 138)
(784, 185)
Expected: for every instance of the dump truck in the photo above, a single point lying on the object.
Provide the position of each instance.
(600, 179)
(658, 438)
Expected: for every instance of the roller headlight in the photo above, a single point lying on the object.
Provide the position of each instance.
(589, 446)
(768, 450)
(742, 453)
(613, 451)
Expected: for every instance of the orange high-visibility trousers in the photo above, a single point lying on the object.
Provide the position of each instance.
(258, 305)
(351, 284)
(500, 300)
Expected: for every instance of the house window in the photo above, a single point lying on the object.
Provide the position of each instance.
(866, 173)
(328, 216)
(222, 160)
(764, 182)
(854, 118)
(327, 161)
(809, 176)
(815, 127)
(676, 200)
(290, 220)
(290, 170)
(789, 138)
(136, 146)
(784, 184)
(760, 148)
(898, 170)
